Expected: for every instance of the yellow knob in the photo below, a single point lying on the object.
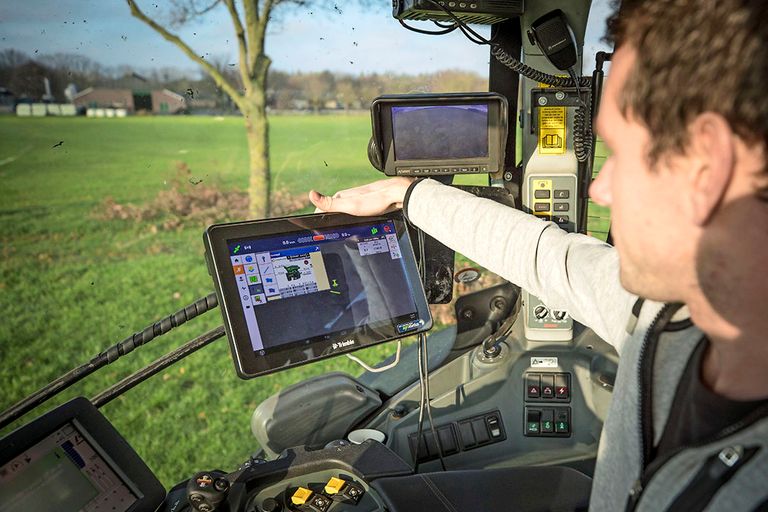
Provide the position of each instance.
(334, 485)
(301, 496)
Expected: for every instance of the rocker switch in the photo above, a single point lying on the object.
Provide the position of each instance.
(493, 424)
(562, 391)
(532, 385)
(480, 430)
(533, 422)
(548, 386)
(547, 421)
(467, 435)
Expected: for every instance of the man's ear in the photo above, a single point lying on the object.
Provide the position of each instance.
(713, 148)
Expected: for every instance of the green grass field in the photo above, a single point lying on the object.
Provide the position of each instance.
(71, 285)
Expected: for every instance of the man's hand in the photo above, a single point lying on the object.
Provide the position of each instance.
(371, 199)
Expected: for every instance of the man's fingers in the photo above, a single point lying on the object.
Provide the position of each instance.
(371, 199)
(371, 203)
(335, 203)
(322, 203)
(362, 189)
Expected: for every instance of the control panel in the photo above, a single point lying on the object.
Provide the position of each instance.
(332, 479)
(551, 198)
(320, 498)
(459, 436)
(551, 188)
(547, 386)
(547, 419)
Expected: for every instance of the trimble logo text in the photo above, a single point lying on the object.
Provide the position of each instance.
(342, 344)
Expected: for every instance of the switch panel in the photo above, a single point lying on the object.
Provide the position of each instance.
(553, 193)
(463, 435)
(547, 421)
(545, 387)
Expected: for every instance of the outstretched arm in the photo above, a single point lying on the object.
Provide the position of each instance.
(567, 271)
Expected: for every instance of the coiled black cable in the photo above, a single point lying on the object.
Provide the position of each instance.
(534, 74)
(582, 132)
(106, 357)
(582, 129)
(510, 61)
(160, 327)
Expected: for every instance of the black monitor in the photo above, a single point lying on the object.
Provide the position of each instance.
(438, 134)
(72, 459)
(298, 289)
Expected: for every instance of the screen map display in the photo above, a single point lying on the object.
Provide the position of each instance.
(303, 287)
(63, 473)
(440, 132)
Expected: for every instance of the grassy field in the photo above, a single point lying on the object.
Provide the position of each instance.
(72, 284)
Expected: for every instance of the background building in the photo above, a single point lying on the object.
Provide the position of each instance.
(157, 101)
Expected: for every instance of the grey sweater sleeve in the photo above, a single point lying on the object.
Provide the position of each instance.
(568, 271)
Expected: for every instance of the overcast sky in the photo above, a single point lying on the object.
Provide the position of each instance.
(349, 39)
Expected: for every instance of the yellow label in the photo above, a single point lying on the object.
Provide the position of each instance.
(552, 130)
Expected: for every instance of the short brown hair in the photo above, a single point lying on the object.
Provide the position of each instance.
(696, 56)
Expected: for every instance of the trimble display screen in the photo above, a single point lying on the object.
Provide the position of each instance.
(297, 289)
(70, 460)
(70, 470)
(431, 132)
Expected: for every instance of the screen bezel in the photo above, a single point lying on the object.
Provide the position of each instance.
(106, 441)
(383, 132)
(247, 363)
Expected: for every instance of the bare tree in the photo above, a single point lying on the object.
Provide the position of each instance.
(250, 29)
(346, 92)
(318, 87)
(11, 58)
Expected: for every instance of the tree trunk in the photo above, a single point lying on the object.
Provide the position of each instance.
(256, 127)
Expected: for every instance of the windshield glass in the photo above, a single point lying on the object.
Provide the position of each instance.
(118, 146)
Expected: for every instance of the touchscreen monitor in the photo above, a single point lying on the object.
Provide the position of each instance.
(298, 289)
(72, 459)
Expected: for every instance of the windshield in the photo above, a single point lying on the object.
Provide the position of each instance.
(117, 149)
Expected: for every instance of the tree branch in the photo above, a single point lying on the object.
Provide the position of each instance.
(252, 23)
(185, 11)
(266, 12)
(220, 80)
(242, 45)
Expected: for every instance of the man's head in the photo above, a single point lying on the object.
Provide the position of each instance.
(685, 115)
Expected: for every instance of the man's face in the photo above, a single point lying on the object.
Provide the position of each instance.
(646, 222)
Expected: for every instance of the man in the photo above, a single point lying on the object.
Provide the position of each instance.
(685, 115)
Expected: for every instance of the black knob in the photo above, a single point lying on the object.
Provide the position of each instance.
(540, 312)
(221, 484)
(560, 315)
(271, 505)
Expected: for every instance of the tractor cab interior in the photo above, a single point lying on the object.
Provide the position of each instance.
(501, 411)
